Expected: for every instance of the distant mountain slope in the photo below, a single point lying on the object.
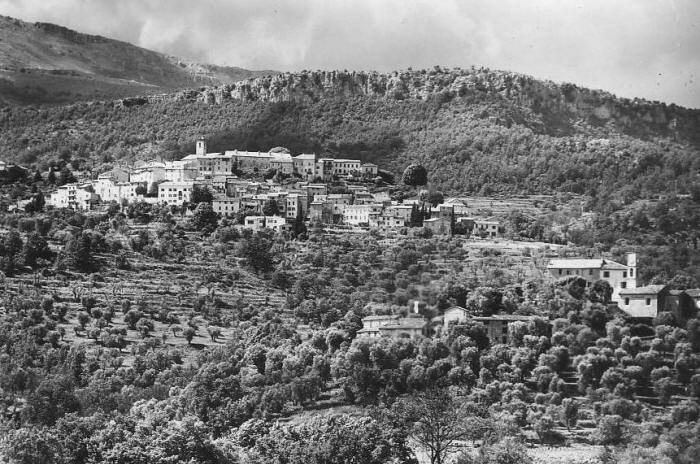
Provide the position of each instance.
(46, 63)
(476, 130)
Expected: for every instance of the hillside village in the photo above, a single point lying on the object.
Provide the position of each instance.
(274, 190)
(418, 259)
(297, 188)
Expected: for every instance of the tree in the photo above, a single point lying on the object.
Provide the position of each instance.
(10, 250)
(188, 333)
(506, 451)
(204, 219)
(144, 326)
(36, 247)
(131, 317)
(298, 226)
(610, 430)
(78, 253)
(569, 412)
(200, 195)
(415, 175)
(435, 197)
(36, 204)
(333, 439)
(256, 251)
(83, 319)
(435, 421)
(270, 208)
(214, 333)
(65, 177)
(51, 178)
(600, 292)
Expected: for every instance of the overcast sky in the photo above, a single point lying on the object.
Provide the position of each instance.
(643, 48)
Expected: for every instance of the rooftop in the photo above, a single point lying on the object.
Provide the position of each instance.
(504, 317)
(580, 263)
(648, 290)
(380, 317)
(406, 323)
(693, 292)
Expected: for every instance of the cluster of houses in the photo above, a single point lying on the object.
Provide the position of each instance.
(309, 197)
(637, 304)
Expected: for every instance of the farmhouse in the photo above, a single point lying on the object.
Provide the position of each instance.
(393, 326)
(440, 226)
(371, 324)
(497, 326)
(619, 276)
(648, 302)
(487, 228)
(455, 315)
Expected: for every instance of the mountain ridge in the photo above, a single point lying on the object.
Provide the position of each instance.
(560, 103)
(45, 63)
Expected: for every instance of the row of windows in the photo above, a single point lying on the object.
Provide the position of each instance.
(647, 301)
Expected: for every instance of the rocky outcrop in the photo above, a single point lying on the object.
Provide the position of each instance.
(556, 102)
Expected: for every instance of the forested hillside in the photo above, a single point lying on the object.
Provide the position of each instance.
(475, 130)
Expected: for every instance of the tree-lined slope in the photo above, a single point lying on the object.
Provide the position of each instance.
(475, 130)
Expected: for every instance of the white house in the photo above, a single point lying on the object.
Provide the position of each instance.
(486, 228)
(619, 276)
(455, 315)
(355, 215)
(642, 302)
(371, 324)
(254, 222)
(226, 206)
(175, 193)
(73, 196)
(305, 165)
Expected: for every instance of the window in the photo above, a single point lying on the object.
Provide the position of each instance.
(606, 273)
(624, 274)
(623, 284)
(648, 301)
(631, 272)
(590, 272)
(627, 301)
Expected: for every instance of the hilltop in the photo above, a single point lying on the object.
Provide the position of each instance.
(476, 130)
(46, 63)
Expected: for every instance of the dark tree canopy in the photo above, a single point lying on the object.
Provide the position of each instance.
(415, 175)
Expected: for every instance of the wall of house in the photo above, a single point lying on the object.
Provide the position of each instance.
(636, 305)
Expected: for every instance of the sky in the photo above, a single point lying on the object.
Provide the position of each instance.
(633, 48)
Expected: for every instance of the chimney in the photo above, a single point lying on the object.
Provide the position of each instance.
(415, 307)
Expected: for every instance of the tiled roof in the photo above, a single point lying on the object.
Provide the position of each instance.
(453, 308)
(613, 266)
(380, 317)
(575, 263)
(580, 263)
(648, 290)
(406, 323)
(504, 317)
